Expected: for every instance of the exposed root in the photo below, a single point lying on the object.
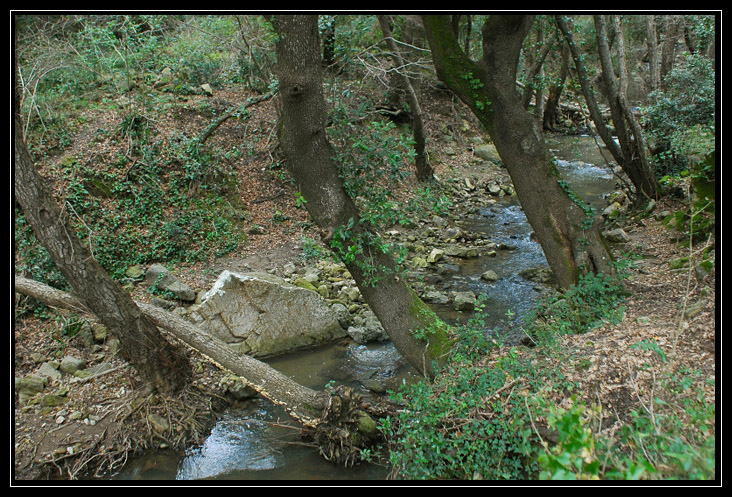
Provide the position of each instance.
(347, 427)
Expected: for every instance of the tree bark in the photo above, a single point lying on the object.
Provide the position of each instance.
(654, 67)
(627, 155)
(424, 171)
(632, 143)
(302, 403)
(141, 344)
(551, 110)
(563, 224)
(302, 137)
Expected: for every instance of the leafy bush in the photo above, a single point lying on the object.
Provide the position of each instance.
(687, 104)
(470, 423)
(473, 420)
(595, 299)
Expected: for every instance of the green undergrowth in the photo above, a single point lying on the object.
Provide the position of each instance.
(171, 207)
(501, 412)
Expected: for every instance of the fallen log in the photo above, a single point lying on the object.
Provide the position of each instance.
(302, 403)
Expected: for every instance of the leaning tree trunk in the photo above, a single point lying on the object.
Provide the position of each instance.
(626, 155)
(302, 137)
(421, 159)
(564, 225)
(632, 143)
(159, 363)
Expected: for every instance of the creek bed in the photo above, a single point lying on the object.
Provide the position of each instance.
(257, 440)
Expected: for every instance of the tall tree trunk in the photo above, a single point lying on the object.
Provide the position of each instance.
(534, 70)
(564, 225)
(672, 31)
(654, 67)
(424, 171)
(626, 155)
(632, 143)
(159, 363)
(301, 132)
(551, 110)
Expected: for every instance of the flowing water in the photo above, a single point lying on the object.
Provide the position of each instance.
(258, 441)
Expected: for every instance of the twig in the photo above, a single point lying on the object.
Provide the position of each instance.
(231, 113)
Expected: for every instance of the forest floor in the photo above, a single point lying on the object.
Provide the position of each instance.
(104, 420)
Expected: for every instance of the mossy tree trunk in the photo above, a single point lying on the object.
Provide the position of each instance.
(309, 154)
(564, 225)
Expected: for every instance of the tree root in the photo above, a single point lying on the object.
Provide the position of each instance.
(347, 427)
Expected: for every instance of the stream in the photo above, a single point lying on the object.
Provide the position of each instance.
(256, 440)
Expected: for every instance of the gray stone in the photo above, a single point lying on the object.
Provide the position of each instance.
(612, 210)
(49, 370)
(487, 152)
(99, 331)
(71, 364)
(237, 388)
(419, 262)
(462, 252)
(158, 423)
(158, 276)
(435, 255)
(261, 314)
(31, 384)
(489, 275)
(617, 235)
(435, 297)
(53, 400)
(367, 329)
(134, 272)
(342, 315)
(538, 275)
(464, 301)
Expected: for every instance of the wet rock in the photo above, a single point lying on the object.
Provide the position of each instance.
(367, 328)
(236, 388)
(435, 297)
(462, 252)
(538, 275)
(489, 275)
(464, 301)
(341, 312)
